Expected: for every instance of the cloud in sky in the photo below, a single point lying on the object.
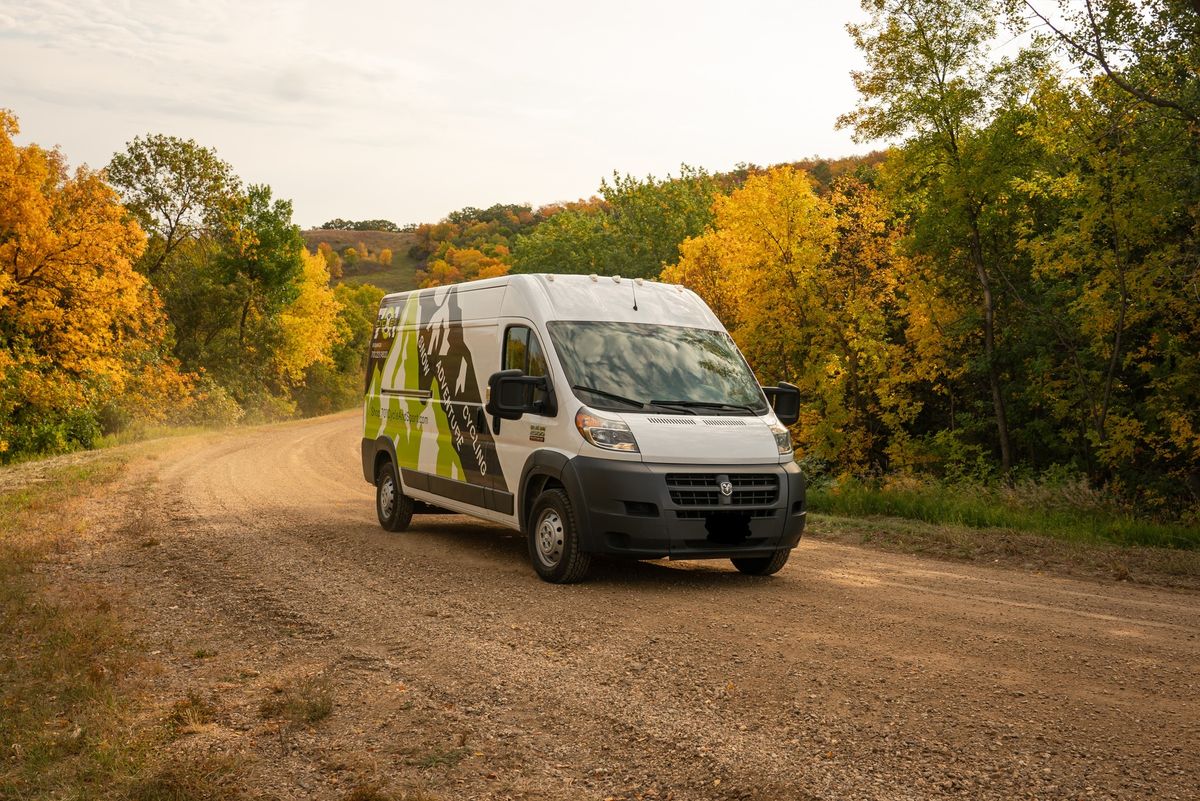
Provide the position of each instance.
(407, 111)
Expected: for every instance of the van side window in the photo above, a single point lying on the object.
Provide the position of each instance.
(522, 351)
(516, 347)
(537, 362)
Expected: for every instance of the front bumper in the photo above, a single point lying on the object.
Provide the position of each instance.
(650, 511)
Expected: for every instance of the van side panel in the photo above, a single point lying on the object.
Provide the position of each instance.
(425, 394)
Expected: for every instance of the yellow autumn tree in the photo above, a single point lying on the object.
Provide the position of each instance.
(333, 262)
(81, 332)
(309, 323)
(806, 286)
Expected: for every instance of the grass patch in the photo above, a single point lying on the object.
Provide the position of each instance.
(1071, 511)
(192, 714)
(140, 433)
(197, 779)
(68, 720)
(397, 277)
(447, 759)
(374, 791)
(307, 701)
(1166, 567)
(63, 649)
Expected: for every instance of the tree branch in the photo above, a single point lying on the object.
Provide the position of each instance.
(1097, 54)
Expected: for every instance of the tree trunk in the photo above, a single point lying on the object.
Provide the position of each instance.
(989, 348)
(242, 328)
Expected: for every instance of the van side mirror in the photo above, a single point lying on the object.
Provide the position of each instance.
(785, 401)
(511, 396)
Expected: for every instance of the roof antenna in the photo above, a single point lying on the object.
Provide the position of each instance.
(633, 284)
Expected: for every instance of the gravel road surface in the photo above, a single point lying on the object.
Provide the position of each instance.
(252, 560)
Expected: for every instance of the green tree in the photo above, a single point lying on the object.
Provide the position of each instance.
(930, 78)
(178, 190)
(635, 231)
(1149, 50)
(228, 264)
(650, 218)
(571, 241)
(1116, 258)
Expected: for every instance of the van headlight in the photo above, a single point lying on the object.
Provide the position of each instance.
(612, 435)
(783, 438)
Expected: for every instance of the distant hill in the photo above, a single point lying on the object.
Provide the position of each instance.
(374, 240)
(398, 277)
(492, 232)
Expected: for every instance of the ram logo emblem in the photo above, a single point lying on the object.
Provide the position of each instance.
(726, 488)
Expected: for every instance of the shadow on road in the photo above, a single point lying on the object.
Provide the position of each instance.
(508, 548)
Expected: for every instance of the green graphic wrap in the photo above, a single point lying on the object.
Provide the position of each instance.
(417, 407)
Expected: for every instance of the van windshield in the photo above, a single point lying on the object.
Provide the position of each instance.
(660, 368)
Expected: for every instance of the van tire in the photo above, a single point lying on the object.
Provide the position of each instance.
(553, 537)
(394, 508)
(762, 565)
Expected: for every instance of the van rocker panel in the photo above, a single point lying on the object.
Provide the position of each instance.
(629, 509)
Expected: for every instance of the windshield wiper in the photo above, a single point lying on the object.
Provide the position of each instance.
(610, 395)
(694, 404)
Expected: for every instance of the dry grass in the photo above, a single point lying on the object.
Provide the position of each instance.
(63, 717)
(375, 791)
(306, 701)
(192, 714)
(398, 242)
(439, 758)
(399, 276)
(69, 709)
(194, 779)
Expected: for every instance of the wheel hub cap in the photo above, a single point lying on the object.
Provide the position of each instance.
(387, 497)
(549, 538)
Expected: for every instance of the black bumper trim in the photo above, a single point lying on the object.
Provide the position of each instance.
(606, 490)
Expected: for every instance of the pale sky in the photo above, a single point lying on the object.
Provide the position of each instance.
(407, 111)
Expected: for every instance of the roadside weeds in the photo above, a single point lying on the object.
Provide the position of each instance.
(1162, 567)
(69, 696)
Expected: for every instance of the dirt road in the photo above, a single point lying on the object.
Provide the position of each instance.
(253, 559)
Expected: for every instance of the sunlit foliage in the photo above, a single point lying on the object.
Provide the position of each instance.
(82, 334)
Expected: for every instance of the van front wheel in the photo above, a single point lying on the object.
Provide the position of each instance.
(395, 509)
(554, 546)
(762, 565)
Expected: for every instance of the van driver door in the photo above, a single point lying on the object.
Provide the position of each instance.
(522, 350)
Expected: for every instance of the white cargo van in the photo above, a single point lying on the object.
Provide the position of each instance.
(597, 415)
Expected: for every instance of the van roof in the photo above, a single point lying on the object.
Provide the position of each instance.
(589, 297)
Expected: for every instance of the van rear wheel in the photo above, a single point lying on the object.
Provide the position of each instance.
(762, 565)
(553, 535)
(394, 508)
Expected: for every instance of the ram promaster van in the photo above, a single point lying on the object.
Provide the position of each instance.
(597, 415)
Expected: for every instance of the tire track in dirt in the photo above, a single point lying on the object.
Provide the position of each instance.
(852, 674)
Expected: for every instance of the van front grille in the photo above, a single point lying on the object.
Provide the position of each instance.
(703, 489)
(754, 489)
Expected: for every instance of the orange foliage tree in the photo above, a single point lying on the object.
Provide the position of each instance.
(81, 332)
(463, 264)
